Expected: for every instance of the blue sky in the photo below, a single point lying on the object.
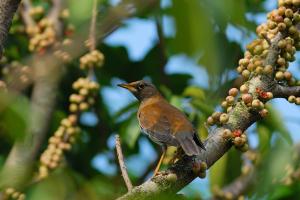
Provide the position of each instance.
(139, 36)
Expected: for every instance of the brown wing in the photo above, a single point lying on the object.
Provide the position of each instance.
(156, 125)
(171, 126)
(184, 131)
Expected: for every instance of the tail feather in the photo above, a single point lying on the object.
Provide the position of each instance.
(189, 145)
(198, 141)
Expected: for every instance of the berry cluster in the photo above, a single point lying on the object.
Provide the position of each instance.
(36, 11)
(282, 20)
(68, 130)
(199, 169)
(238, 138)
(92, 59)
(11, 193)
(63, 55)
(86, 95)
(43, 31)
(42, 36)
(17, 72)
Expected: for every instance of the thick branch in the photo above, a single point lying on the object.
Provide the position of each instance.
(240, 185)
(7, 11)
(286, 91)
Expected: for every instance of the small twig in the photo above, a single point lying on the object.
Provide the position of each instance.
(122, 164)
(24, 11)
(54, 14)
(92, 36)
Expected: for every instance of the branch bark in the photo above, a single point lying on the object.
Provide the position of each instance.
(7, 11)
(281, 91)
(24, 10)
(122, 164)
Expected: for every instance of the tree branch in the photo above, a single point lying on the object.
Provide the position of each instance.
(92, 35)
(25, 13)
(7, 11)
(281, 91)
(54, 15)
(241, 184)
(122, 164)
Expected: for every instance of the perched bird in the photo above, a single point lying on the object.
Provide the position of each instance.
(162, 122)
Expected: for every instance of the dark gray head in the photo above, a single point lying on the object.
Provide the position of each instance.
(141, 89)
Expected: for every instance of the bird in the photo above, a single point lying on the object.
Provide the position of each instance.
(162, 122)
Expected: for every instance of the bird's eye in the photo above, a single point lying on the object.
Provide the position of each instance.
(141, 86)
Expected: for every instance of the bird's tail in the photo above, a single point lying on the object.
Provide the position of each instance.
(190, 144)
(198, 141)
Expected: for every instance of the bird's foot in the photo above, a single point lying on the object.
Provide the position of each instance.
(178, 154)
(159, 173)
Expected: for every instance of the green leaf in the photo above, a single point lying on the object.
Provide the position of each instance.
(276, 124)
(226, 169)
(125, 109)
(176, 101)
(227, 12)
(191, 18)
(217, 173)
(203, 107)
(264, 135)
(14, 115)
(130, 131)
(194, 92)
(281, 192)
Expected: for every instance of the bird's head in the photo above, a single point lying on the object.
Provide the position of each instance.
(141, 89)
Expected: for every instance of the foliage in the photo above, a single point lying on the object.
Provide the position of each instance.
(201, 34)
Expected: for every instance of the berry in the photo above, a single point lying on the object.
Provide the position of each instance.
(247, 98)
(233, 92)
(210, 121)
(244, 89)
(237, 133)
(230, 100)
(227, 134)
(279, 75)
(256, 103)
(224, 118)
(292, 99)
(263, 113)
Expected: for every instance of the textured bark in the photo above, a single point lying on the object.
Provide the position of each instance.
(7, 11)
(285, 91)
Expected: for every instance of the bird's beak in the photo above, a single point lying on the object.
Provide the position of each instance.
(127, 86)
